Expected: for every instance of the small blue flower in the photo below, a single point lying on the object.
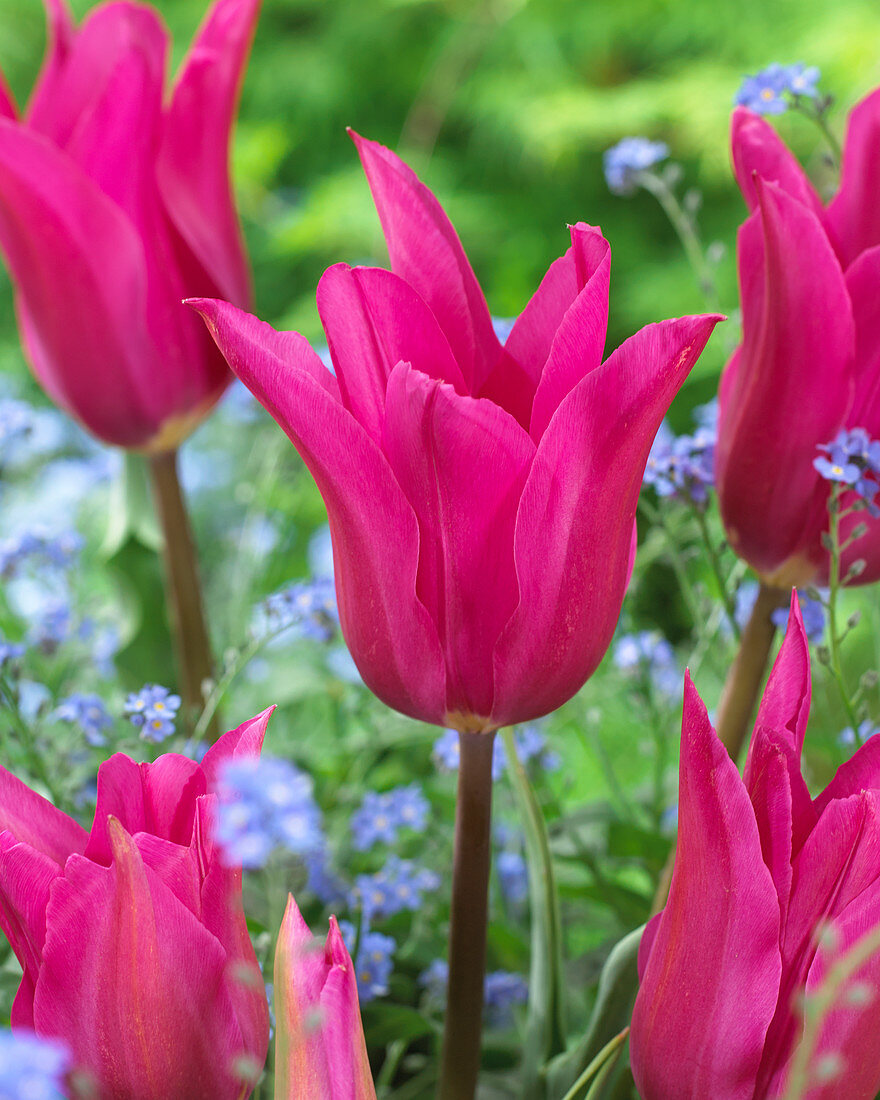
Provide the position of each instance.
(265, 803)
(38, 549)
(89, 713)
(307, 608)
(846, 472)
(683, 466)
(649, 654)
(16, 422)
(802, 80)
(849, 737)
(502, 991)
(852, 458)
(625, 160)
(813, 614)
(32, 1068)
(513, 877)
(764, 92)
(380, 816)
(152, 710)
(9, 652)
(322, 880)
(399, 886)
(446, 753)
(374, 962)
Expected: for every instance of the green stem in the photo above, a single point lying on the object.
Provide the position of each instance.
(687, 234)
(603, 1061)
(834, 637)
(801, 104)
(715, 562)
(655, 517)
(545, 1032)
(182, 587)
(33, 757)
(460, 1058)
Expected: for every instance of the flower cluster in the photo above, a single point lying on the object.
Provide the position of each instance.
(265, 804)
(849, 736)
(400, 885)
(38, 548)
(380, 816)
(89, 713)
(31, 1068)
(852, 458)
(152, 710)
(682, 466)
(306, 607)
(16, 421)
(9, 652)
(373, 963)
(765, 92)
(624, 162)
(649, 654)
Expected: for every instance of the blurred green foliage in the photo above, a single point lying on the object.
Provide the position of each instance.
(505, 107)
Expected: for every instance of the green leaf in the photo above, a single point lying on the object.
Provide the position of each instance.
(611, 1014)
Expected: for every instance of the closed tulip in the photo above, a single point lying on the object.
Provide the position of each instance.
(809, 363)
(132, 938)
(114, 205)
(481, 496)
(320, 1053)
(761, 871)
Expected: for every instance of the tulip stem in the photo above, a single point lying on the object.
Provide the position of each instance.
(183, 591)
(739, 695)
(460, 1060)
(746, 675)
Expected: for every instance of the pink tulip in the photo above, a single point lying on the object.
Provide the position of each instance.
(320, 1053)
(481, 497)
(114, 205)
(809, 363)
(760, 870)
(132, 938)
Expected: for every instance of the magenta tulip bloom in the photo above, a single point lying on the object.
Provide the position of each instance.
(132, 938)
(760, 870)
(115, 205)
(320, 1053)
(481, 497)
(809, 363)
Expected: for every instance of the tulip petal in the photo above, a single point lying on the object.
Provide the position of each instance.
(862, 280)
(425, 251)
(80, 274)
(768, 782)
(795, 368)
(193, 161)
(853, 211)
(222, 914)
(462, 463)
(168, 992)
(839, 860)
(26, 876)
(785, 705)
(244, 740)
(320, 1052)
(60, 32)
(714, 966)
(860, 773)
(757, 150)
(34, 821)
(373, 526)
(580, 339)
(7, 103)
(849, 1031)
(373, 320)
(574, 529)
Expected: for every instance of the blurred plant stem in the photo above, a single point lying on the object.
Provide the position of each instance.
(545, 1027)
(685, 227)
(182, 588)
(460, 1059)
(599, 1069)
(835, 635)
(746, 675)
(739, 694)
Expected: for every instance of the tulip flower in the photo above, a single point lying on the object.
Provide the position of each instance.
(114, 205)
(132, 939)
(481, 496)
(809, 362)
(320, 1053)
(769, 887)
